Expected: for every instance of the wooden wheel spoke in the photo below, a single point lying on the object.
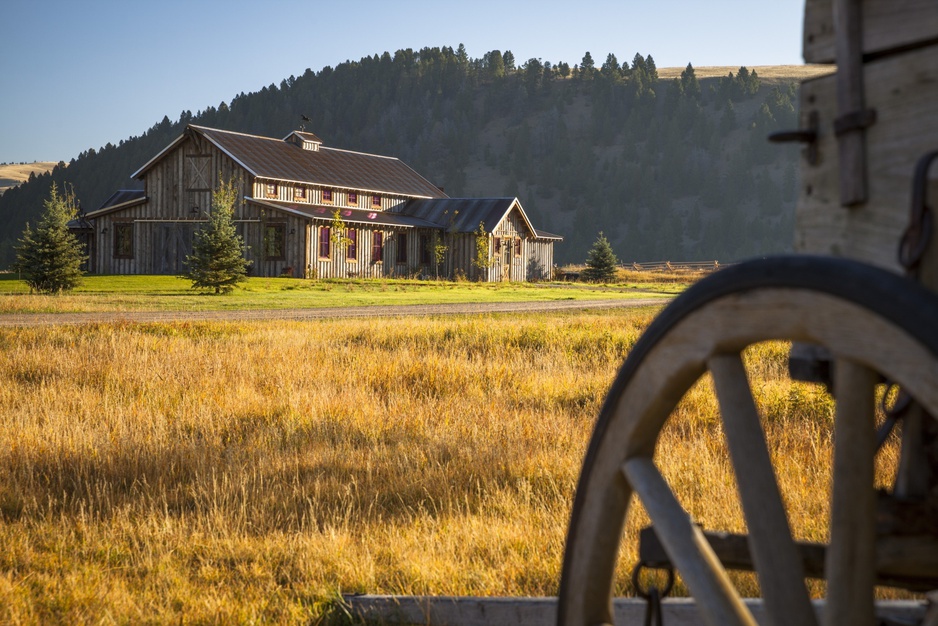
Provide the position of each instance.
(780, 570)
(850, 563)
(687, 546)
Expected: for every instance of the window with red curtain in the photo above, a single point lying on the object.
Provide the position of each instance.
(351, 252)
(324, 242)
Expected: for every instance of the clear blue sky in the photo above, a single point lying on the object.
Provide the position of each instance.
(77, 74)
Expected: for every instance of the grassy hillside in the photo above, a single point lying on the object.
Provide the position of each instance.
(13, 174)
(769, 74)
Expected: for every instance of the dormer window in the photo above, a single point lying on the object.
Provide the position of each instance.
(352, 198)
(271, 190)
(327, 196)
(375, 202)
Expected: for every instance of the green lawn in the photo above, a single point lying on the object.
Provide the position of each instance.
(170, 293)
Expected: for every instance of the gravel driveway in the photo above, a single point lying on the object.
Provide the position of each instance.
(39, 319)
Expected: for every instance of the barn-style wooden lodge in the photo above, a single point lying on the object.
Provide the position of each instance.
(291, 188)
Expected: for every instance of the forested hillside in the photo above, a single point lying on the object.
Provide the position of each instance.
(673, 169)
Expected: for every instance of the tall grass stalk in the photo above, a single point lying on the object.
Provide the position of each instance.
(222, 472)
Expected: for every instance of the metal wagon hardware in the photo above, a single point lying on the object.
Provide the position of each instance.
(859, 302)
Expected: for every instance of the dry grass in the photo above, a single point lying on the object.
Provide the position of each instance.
(767, 73)
(13, 174)
(237, 473)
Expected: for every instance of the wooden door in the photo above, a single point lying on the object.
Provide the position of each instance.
(173, 244)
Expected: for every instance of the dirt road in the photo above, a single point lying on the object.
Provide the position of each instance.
(39, 319)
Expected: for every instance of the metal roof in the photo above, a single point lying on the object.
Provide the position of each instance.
(436, 214)
(349, 216)
(543, 234)
(119, 199)
(463, 215)
(276, 159)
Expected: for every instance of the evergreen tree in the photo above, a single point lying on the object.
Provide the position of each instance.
(610, 68)
(691, 87)
(217, 261)
(509, 60)
(50, 257)
(650, 68)
(638, 63)
(601, 262)
(587, 66)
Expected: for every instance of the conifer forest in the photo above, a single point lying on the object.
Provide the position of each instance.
(667, 168)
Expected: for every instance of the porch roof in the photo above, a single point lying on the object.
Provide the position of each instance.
(349, 216)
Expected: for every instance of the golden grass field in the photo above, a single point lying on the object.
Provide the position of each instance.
(225, 472)
(15, 173)
(770, 73)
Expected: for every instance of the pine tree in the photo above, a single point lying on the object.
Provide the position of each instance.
(50, 257)
(691, 87)
(217, 261)
(587, 66)
(601, 262)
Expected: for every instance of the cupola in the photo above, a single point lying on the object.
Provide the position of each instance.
(307, 141)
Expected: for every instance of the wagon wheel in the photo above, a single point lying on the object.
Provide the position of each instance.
(874, 324)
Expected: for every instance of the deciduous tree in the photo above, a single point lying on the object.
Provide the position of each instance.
(483, 259)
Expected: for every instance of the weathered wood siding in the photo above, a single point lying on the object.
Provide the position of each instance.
(179, 195)
(902, 89)
(366, 265)
(286, 191)
(887, 25)
(540, 259)
(339, 265)
(295, 260)
(510, 260)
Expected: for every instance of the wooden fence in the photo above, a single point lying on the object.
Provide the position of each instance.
(675, 266)
(573, 272)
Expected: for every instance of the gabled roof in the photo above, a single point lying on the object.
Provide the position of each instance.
(463, 215)
(120, 199)
(276, 159)
(349, 216)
